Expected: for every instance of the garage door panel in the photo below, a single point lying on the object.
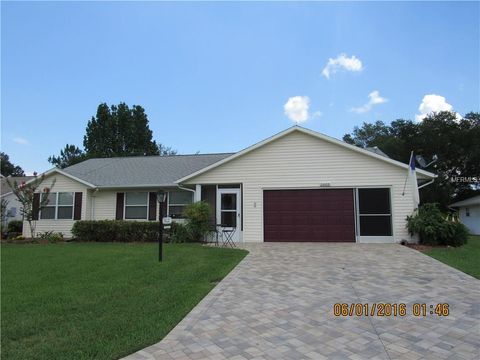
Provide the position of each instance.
(309, 215)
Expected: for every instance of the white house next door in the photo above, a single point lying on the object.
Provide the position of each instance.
(229, 211)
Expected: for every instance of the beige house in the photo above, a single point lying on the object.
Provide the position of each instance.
(298, 185)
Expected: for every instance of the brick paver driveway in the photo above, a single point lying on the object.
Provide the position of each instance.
(277, 304)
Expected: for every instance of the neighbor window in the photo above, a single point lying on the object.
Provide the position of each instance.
(136, 205)
(467, 212)
(177, 201)
(59, 206)
(374, 212)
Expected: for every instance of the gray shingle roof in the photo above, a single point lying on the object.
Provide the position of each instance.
(141, 170)
(5, 189)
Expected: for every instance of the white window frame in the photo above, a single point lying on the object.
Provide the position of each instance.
(57, 206)
(173, 204)
(125, 205)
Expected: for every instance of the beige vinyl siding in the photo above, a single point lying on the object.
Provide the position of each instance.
(105, 205)
(62, 184)
(299, 160)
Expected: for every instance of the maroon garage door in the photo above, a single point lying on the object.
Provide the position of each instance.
(309, 215)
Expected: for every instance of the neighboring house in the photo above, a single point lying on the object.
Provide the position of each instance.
(13, 205)
(469, 211)
(297, 185)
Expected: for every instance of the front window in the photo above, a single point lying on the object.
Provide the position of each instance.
(59, 206)
(177, 201)
(136, 205)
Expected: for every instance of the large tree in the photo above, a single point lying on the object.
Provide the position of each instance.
(116, 130)
(454, 141)
(70, 155)
(8, 168)
(119, 131)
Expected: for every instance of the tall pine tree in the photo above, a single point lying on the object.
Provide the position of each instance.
(119, 131)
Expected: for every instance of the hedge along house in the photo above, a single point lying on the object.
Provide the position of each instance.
(298, 185)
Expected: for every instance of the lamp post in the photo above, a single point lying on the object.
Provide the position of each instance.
(161, 197)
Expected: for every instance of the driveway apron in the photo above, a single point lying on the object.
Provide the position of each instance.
(278, 304)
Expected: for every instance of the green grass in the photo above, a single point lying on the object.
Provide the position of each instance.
(465, 258)
(100, 301)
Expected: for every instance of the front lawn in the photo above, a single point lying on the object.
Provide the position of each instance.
(100, 301)
(465, 258)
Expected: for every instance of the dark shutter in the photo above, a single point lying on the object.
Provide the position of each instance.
(120, 200)
(36, 205)
(77, 210)
(152, 206)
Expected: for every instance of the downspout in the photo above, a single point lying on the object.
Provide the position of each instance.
(187, 189)
(426, 184)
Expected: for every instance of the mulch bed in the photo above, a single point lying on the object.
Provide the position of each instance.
(425, 247)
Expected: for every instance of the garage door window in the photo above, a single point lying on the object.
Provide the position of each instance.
(374, 212)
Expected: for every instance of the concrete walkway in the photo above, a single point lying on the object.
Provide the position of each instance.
(278, 304)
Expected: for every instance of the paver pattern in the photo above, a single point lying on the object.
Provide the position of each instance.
(278, 304)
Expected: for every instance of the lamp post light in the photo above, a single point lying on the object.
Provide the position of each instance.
(161, 198)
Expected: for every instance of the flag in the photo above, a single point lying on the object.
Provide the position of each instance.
(412, 175)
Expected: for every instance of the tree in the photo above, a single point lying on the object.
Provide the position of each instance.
(454, 142)
(8, 168)
(119, 131)
(30, 204)
(114, 131)
(166, 150)
(70, 155)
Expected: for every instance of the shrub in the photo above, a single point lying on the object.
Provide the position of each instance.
(115, 231)
(51, 236)
(433, 228)
(179, 233)
(198, 220)
(15, 226)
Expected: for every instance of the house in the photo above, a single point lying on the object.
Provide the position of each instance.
(469, 212)
(298, 185)
(13, 205)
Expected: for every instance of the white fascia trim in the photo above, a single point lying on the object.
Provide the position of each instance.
(309, 132)
(61, 172)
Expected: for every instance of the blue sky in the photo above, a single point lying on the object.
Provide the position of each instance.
(215, 77)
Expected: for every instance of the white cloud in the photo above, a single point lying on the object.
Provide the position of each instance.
(374, 98)
(296, 108)
(317, 114)
(342, 61)
(432, 104)
(20, 141)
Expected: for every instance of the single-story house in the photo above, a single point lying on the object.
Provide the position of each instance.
(469, 213)
(13, 205)
(298, 185)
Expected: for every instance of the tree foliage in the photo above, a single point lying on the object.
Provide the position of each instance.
(455, 142)
(119, 131)
(116, 130)
(8, 168)
(70, 155)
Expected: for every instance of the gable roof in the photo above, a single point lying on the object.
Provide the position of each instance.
(467, 202)
(308, 132)
(138, 171)
(5, 189)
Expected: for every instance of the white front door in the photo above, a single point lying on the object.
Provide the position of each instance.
(229, 211)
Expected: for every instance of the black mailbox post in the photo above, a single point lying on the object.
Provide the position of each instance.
(161, 198)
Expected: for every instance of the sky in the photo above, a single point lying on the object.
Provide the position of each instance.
(221, 76)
